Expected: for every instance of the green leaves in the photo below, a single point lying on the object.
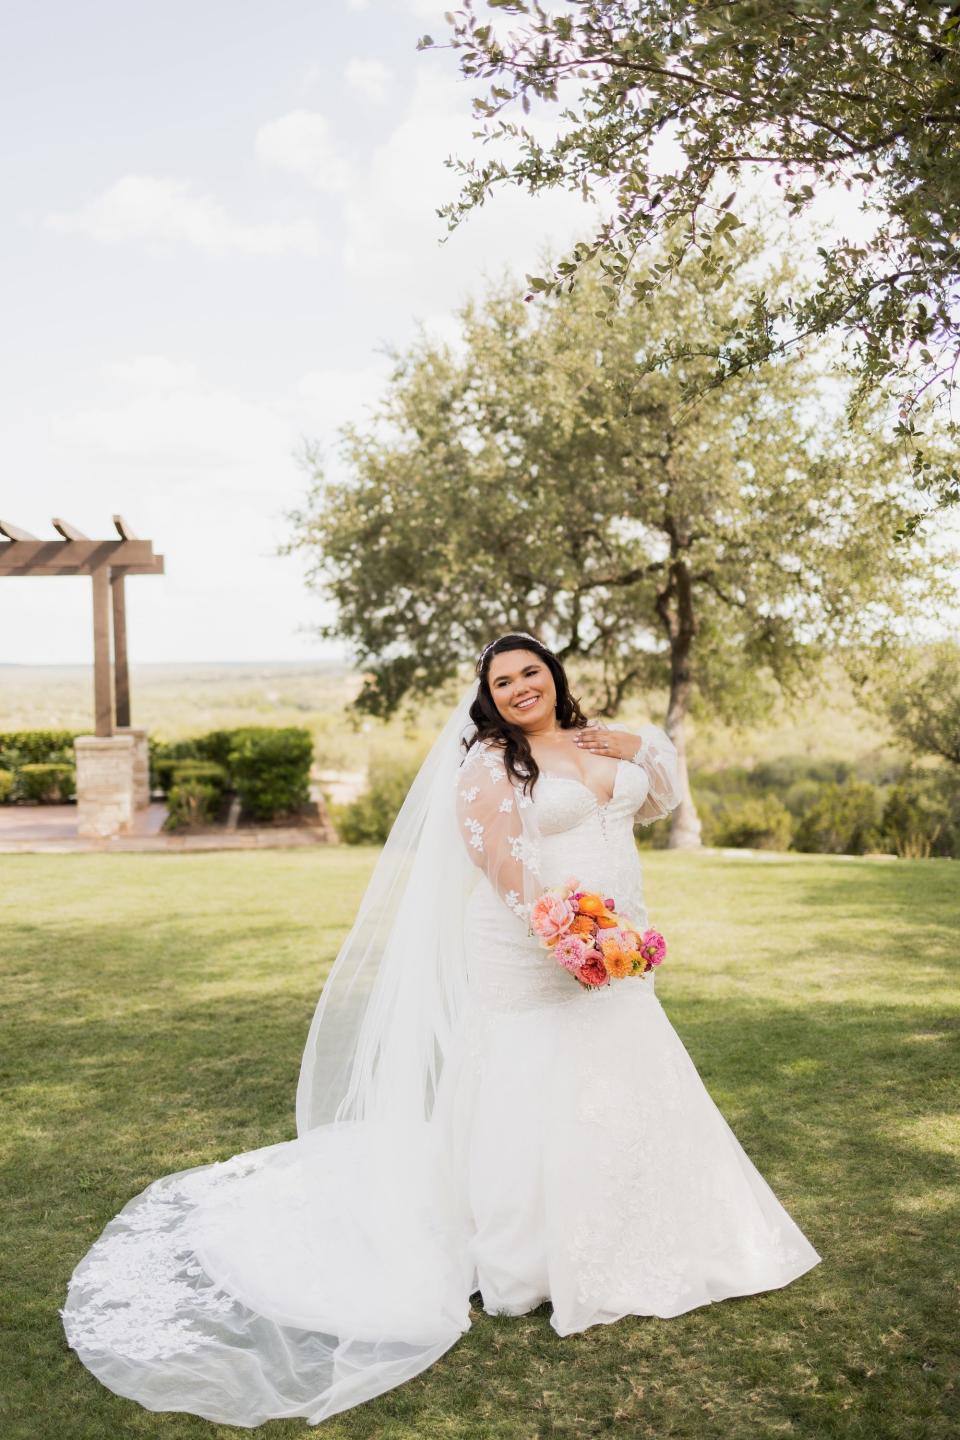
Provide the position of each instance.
(575, 470)
(863, 100)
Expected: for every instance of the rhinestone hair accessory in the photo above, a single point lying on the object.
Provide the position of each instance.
(525, 635)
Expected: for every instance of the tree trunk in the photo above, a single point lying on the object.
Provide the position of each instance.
(675, 606)
(684, 822)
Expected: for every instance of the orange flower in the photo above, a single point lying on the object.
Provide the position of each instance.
(591, 905)
(607, 922)
(616, 960)
(584, 926)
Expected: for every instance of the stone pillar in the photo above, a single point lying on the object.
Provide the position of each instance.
(141, 765)
(105, 784)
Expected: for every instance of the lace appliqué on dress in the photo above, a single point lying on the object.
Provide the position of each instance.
(143, 1274)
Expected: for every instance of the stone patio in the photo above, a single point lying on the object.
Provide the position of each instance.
(53, 830)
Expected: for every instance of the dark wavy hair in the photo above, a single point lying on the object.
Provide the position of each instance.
(517, 755)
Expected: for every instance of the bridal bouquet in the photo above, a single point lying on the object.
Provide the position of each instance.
(588, 938)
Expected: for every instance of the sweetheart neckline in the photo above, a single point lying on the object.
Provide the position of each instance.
(575, 780)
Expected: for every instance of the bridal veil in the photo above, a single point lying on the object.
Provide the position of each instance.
(304, 1278)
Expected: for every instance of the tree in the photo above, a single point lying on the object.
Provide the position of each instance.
(525, 482)
(860, 98)
(923, 704)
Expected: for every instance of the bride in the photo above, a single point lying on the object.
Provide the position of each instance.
(470, 1118)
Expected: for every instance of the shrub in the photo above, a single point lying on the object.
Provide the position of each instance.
(36, 747)
(191, 802)
(271, 770)
(788, 770)
(204, 771)
(843, 821)
(800, 797)
(762, 823)
(48, 784)
(6, 786)
(164, 756)
(367, 820)
(216, 746)
(922, 816)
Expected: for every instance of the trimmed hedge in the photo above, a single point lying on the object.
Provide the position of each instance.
(271, 770)
(268, 767)
(204, 772)
(51, 784)
(36, 747)
(168, 771)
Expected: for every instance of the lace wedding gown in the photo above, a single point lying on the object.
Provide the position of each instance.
(572, 1155)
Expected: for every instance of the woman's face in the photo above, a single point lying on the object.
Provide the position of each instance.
(523, 690)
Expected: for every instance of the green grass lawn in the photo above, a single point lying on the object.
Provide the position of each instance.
(158, 1005)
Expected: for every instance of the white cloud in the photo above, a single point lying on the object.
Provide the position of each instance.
(153, 372)
(301, 143)
(423, 9)
(370, 79)
(174, 421)
(165, 211)
(392, 229)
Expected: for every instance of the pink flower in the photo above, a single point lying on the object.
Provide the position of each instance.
(571, 952)
(551, 916)
(610, 903)
(593, 971)
(653, 947)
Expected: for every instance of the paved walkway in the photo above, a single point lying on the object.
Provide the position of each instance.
(52, 830)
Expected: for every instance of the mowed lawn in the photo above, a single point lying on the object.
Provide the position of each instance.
(157, 1006)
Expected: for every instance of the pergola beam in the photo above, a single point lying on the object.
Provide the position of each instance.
(71, 557)
(68, 531)
(13, 532)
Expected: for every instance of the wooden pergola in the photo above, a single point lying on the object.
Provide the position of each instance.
(108, 563)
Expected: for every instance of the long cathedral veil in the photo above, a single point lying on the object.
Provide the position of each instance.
(390, 1003)
(311, 1275)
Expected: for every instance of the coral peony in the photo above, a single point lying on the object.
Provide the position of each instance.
(570, 951)
(551, 916)
(593, 972)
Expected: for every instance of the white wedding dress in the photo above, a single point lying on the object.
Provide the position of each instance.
(572, 1155)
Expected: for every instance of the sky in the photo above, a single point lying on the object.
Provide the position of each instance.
(216, 217)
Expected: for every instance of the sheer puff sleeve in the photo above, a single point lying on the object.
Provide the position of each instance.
(498, 829)
(657, 755)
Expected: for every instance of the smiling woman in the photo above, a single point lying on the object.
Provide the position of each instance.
(538, 1138)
